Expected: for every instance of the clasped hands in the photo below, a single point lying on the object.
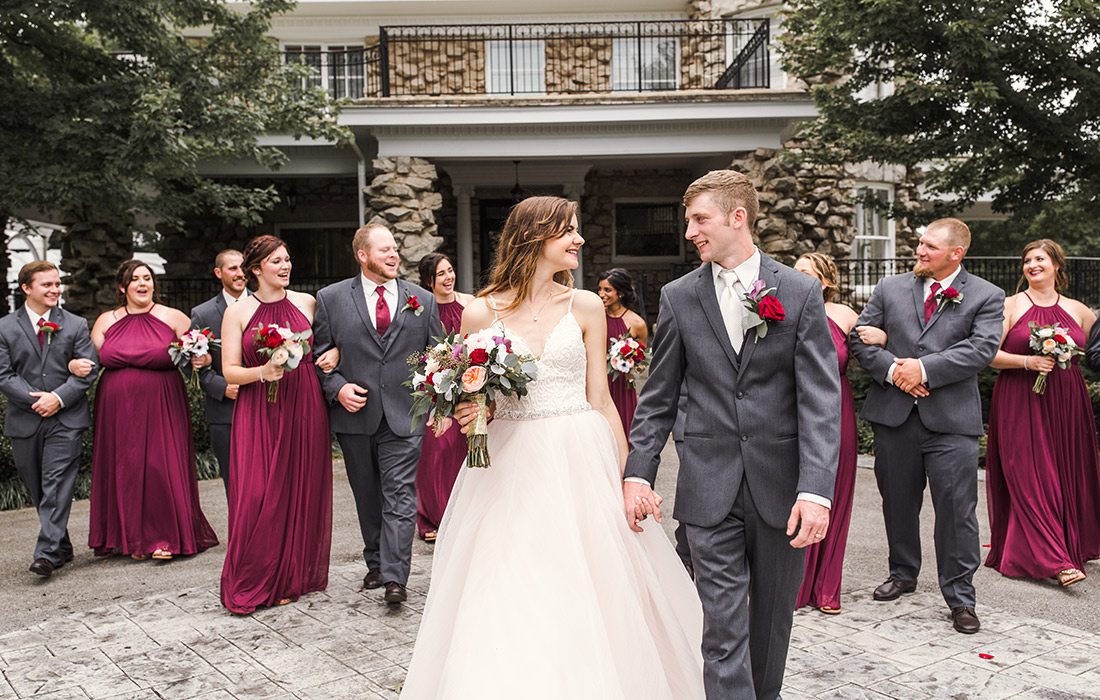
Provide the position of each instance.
(907, 372)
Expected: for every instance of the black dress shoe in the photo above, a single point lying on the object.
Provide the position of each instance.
(892, 589)
(373, 579)
(395, 593)
(42, 567)
(965, 620)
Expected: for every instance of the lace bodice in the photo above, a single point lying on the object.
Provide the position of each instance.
(560, 387)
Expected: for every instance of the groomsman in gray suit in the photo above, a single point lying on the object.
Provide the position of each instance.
(1092, 350)
(761, 435)
(47, 405)
(376, 321)
(221, 396)
(943, 325)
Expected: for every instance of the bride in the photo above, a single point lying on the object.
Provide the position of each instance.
(539, 588)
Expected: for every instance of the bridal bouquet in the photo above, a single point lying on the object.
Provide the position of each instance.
(1055, 341)
(473, 367)
(194, 343)
(626, 356)
(283, 347)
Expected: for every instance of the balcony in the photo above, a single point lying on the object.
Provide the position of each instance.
(544, 59)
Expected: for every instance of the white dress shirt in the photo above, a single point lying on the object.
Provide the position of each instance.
(747, 273)
(944, 284)
(35, 318)
(230, 299)
(371, 297)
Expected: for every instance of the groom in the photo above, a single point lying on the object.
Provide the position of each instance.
(761, 435)
(377, 320)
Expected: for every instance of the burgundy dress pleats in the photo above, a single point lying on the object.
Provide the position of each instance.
(623, 393)
(144, 491)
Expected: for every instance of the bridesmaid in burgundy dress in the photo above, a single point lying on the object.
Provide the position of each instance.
(145, 500)
(280, 498)
(1042, 472)
(619, 299)
(825, 559)
(441, 457)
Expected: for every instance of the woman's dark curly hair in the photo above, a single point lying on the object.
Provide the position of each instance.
(125, 275)
(621, 281)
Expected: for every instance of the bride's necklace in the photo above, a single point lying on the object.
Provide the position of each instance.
(535, 313)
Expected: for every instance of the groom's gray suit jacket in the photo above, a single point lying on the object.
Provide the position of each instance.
(959, 341)
(26, 367)
(769, 415)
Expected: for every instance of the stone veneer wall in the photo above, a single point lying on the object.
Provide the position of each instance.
(443, 66)
(807, 207)
(580, 64)
(90, 256)
(404, 197)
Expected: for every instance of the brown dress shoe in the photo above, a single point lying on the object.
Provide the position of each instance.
(42, 567)
(395, 593)
(373, 579)
(892, 589)
(965, 620)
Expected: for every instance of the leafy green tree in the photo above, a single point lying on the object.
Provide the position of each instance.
(108, 111)
(994, 96)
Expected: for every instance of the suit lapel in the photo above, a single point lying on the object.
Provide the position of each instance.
(704, 288)
(769, 272)
(53, 315)
(221, 305)
(918, 299)
(360, 303)
(25, 324)
(398, 315)
(958, 283)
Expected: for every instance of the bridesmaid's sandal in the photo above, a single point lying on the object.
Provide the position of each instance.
(285, 601)
(162, 554)
(430, 536)
(1068, 577)
(137, 556)
(827, 610)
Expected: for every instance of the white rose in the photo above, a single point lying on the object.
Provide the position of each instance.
(1065, 357)
(432, 365)
(286, 333)
(280, 356)
(1045, 332)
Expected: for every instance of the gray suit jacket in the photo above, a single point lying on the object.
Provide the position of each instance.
(1092, 350)
(219, 410)
(26, 367)
(958, 342)
(767, 416)
(372, 361)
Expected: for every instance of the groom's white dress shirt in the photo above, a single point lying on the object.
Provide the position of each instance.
(730, 287)
(371, 296)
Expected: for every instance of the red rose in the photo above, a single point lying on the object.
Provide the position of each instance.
(950, 293)
(273, 340)
(479, 356)
(1060, 339)
(625, 350)
(208, 333)
(414, 303)
(770, 309)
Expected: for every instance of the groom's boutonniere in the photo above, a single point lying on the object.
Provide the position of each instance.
(413, 304)
(948, 296)
(763, 307)
(48, 328)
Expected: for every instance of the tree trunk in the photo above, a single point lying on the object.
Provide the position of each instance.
(90, 256)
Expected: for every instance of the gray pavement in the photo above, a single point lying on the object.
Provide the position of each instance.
(114, 628)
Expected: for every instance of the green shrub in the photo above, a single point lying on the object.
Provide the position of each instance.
(14, 495)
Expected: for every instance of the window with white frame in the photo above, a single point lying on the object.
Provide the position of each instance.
(514, 67)
(336, 68)
(874, 237)
(645, 63)
(648, 231)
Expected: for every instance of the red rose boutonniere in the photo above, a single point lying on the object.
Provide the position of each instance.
(763, 307)
(413, 304)
(948, 296)
(48, 328)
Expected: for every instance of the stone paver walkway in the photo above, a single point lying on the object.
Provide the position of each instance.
(345, 643)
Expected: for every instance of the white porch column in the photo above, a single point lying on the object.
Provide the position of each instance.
(573, 191)
(465, 238)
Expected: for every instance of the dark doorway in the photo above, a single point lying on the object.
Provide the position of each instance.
(321, 251)
(491, 216)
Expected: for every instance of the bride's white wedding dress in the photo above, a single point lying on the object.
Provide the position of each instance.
(539, 588)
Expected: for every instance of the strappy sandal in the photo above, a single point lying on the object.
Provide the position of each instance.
(1068, 577)
(827, 610)
(137, 556)
(430, 536)
(161, 554)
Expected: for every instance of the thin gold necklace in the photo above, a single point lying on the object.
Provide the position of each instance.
(535, 314)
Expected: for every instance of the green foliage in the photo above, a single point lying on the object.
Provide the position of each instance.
(14, 495)
(1003, 96)
(108, 110)
(1071, 223)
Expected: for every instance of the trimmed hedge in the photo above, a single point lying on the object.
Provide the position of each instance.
(14, 495)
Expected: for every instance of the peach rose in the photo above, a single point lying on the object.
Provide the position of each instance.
(474, 379)
(1049, 345)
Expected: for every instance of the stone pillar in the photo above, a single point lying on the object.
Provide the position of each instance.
(90, 256)
(464, 238)
(402, 197)
(573, 191)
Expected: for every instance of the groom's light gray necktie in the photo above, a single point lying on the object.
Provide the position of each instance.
(730, 304)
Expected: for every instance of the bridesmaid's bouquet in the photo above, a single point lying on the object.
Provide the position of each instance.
(1054, 341)
(194, 343)
(473, 367)
(627, 356)
(283, 347)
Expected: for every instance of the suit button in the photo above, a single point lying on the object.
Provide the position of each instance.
(920, 347)
(740, 394)
(744, 438)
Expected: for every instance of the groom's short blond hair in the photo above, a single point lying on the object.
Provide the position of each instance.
(730, 189)
(361, 239)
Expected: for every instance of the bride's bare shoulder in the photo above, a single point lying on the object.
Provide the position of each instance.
(477, 314)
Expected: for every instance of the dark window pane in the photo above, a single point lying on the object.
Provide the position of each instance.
(647, 230)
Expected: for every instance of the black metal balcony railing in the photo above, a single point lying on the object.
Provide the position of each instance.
(538, 59)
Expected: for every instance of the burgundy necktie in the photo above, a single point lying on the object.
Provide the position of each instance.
(931, 302)
(381, 312)
(41, 333)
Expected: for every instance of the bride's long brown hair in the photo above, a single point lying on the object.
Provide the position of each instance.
(529, 225)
